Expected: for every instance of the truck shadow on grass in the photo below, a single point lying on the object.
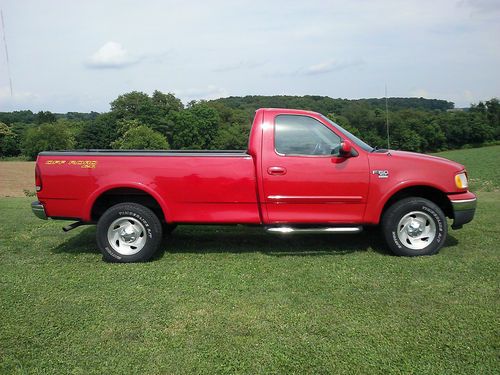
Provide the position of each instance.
(237, 239)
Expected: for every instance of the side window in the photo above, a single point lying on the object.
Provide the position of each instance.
(303, 135)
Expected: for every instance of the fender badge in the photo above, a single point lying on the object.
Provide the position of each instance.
(382, 173)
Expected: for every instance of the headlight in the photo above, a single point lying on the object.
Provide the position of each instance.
(461, 181)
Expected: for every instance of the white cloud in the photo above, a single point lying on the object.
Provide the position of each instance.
(242, 64)
(481, 6)
(111, 55)
(420, 93)
(306, 47)
(21, 96)
(329, 66)
(198, 93)
(461, 98)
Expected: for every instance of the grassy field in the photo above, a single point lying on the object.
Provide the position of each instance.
(482, 166)
(237, 300)
(16, 177)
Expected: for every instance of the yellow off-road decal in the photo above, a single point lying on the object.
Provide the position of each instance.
(80, 163)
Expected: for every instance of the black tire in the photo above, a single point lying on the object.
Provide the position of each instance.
(145, 228)
(405, 240)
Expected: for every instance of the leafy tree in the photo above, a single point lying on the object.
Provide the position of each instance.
(133, 105)
(166, 103)
(196, 127)
(99, 133)
(8, 141)
(81, 116)
(231, 138)
(493, 116)
(47, 137)
(9, 145)
(156, 111)
(44, 117)
(233, 129)
(207, 123)
(433, 137)
(75, 127)
(186, 133)
(344, 123)
(480, 129)
(122, 126)
(141, 137)
(406, 139)
(4, 130)
(416, 123)
(455, 125)
(26, 117)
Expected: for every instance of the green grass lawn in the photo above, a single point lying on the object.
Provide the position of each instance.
(482, 166)
(237, 300)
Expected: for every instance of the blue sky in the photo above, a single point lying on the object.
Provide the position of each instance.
(80, 55)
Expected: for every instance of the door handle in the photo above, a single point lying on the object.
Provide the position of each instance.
(276, 170)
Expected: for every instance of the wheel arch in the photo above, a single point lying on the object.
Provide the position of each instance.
(431, 193)
(108, 196)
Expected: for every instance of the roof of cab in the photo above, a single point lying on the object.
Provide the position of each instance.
(290, 111)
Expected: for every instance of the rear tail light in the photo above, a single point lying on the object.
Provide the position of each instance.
(38, 178)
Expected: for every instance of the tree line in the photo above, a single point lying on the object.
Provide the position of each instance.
(161, 121)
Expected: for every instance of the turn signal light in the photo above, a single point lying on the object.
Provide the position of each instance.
(461, 181)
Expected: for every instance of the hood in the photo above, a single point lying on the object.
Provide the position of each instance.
(415, 156)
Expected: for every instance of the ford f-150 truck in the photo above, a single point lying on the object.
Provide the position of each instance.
(301, 173)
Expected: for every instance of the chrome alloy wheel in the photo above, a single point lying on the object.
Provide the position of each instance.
(416, 230)
(127, 235)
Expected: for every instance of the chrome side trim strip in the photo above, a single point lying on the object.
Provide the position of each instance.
(315, 230)
(315, 198)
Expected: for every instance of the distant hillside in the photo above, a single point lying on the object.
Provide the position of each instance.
(322, 104)
(325, 104)
(416, 124)
(28, 117)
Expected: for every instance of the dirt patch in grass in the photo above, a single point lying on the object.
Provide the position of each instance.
(15, 177)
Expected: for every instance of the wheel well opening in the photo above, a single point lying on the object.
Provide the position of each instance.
(434, 195)
(122, 195)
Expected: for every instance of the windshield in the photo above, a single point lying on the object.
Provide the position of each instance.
(352, 137)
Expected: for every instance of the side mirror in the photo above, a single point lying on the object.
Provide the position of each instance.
(346, 148)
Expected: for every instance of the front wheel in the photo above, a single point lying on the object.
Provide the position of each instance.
(414, 226)
(128, 232)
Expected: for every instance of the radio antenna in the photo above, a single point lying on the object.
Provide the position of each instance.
(6, 52)
(387, 119)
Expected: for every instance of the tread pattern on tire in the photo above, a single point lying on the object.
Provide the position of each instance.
(394, 213)
(142, 213)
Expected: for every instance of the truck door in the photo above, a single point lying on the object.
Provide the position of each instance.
(304, 178)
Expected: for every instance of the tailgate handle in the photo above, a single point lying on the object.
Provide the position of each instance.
(276, 170)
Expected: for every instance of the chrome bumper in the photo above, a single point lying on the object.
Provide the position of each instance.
(38, 210)
(464, 205)
(463, 211)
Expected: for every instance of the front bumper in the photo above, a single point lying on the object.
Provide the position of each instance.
(463, 211)
(39, 210)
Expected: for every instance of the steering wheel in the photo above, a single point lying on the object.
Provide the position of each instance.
(336, 150)
(318, 149)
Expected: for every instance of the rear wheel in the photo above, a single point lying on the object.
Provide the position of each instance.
(414, 226)
(128, 232)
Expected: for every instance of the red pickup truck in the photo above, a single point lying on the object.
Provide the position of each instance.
(301, 173)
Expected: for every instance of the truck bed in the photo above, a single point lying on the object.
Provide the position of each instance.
(191, 186)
